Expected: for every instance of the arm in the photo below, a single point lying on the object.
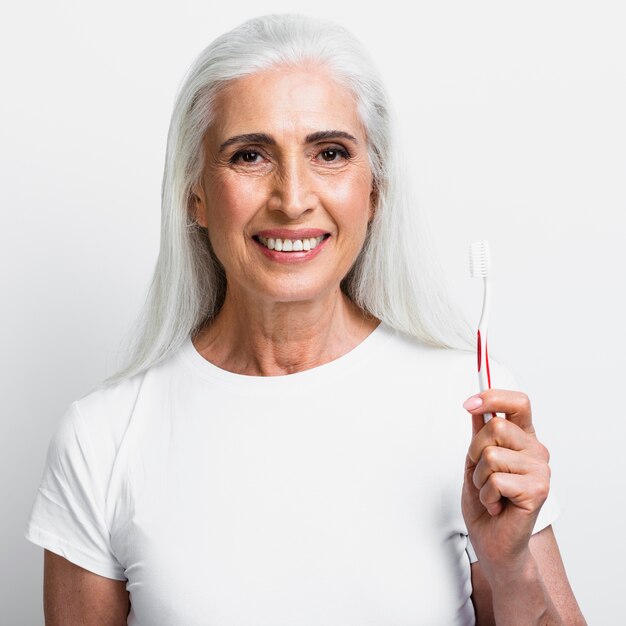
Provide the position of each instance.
(520, 578)
(553, 582)
(75, 596)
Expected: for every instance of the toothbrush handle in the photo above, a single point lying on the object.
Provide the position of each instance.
(484, 376)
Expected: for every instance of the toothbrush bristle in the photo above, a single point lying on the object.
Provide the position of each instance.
(480, 261)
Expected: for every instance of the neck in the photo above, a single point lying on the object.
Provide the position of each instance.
(275, 338)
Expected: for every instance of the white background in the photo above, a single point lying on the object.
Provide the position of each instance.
(514, 121)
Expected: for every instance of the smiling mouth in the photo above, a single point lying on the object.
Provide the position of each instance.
(291, 245)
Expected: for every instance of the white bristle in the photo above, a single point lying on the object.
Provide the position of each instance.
(480, 262)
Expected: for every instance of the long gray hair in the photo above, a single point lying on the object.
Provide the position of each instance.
(395, 277)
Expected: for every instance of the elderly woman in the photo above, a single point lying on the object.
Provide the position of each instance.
(287, 445)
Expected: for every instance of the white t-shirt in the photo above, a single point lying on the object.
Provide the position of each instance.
(329, 497)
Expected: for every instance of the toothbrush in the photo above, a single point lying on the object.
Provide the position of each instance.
(480, 267)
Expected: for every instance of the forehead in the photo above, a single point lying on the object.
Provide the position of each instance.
(283, 100)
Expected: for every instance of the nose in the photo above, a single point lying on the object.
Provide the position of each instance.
(292, 190)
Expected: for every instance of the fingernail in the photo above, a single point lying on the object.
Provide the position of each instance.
(472, 403)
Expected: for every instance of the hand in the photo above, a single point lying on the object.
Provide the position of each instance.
(507, 480)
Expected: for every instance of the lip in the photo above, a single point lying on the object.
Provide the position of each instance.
(285, 233)
(291, 257)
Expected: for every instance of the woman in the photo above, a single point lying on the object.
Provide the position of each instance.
(284, 446)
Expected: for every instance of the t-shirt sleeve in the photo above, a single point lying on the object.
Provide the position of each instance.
(67, 516)
(503, 378)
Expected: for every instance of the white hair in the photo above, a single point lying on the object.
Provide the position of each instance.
(396, 276)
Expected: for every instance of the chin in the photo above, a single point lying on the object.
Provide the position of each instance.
(300, 292)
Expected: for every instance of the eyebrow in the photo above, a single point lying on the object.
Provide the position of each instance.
(268, 139)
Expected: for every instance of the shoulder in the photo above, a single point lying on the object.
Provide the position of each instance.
(104, 414)
(451, 368)
(94, 425)
(412, 352)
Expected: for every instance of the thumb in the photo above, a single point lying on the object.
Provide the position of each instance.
(475, 405)
(478, 422)
(514, 404)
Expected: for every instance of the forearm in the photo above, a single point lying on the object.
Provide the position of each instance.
(520, 596)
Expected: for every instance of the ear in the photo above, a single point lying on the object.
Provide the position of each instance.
(373, 203)
(197, 205)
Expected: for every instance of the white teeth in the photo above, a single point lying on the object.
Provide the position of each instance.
(291, 245)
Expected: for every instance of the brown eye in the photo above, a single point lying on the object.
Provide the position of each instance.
(330, 155)
(247, 156)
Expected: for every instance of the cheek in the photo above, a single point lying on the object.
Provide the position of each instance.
(352, 197)
(230, 207)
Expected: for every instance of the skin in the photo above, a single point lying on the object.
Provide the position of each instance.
(280, 318)
(74, 596)
(519, 578)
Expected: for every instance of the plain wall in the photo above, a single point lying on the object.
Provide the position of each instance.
(514, 129)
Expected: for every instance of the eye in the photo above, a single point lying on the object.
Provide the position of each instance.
(246, 156)
(331, 155)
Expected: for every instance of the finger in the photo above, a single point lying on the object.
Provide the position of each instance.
(527, 492)
(473, 508)
(496, 459)
(478, 421)
(514, 404)
(501, 433)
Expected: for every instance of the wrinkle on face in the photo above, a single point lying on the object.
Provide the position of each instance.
(288, 105)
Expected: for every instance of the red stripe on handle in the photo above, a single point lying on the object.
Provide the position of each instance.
(479, 355)
(487, 363)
